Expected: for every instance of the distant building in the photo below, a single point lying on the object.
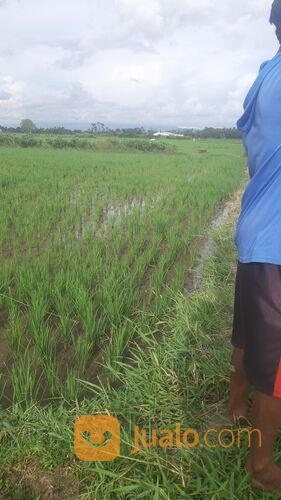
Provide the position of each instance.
(167, 134)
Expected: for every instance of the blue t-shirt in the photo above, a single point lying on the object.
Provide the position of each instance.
(258, 231)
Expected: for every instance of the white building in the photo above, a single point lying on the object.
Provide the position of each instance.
(167, 134)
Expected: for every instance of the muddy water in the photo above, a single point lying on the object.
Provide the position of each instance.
(113, 214)
(195, 281)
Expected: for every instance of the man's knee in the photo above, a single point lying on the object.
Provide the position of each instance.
(237, 359)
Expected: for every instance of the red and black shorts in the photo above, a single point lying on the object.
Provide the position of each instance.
(257, 324)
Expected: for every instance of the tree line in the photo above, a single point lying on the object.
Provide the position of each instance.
(27, 126)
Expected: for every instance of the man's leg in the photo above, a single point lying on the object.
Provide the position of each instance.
(239, 388)
(266, 417)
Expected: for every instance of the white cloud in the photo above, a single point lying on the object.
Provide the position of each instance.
(174, 62)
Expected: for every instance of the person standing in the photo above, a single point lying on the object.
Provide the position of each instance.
(256, 334)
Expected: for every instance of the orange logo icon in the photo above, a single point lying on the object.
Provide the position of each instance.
(97, 438)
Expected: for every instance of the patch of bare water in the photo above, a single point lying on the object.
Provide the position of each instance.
(114, 214)
(208, 246)
(195, 283)
(111, 215)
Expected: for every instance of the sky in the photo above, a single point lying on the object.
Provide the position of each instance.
(178, 63)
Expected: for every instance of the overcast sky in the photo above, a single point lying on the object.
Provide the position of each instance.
(143, 62)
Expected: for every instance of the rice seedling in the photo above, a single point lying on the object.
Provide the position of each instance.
(25, 385)
(93, 241)
(83, 349)
(119, 340)
(50, 369)
(15, 333)
(70, 388)
(175, 370)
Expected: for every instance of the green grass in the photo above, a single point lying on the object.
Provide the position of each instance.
(92, 247)
(182, 378)
(94, 254)
(88, 143)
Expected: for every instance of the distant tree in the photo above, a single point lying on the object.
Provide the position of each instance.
(93, 128)
(98, 128)
(101, 127)
(27, 126)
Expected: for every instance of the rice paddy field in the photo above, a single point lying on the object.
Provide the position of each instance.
(96, 257)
